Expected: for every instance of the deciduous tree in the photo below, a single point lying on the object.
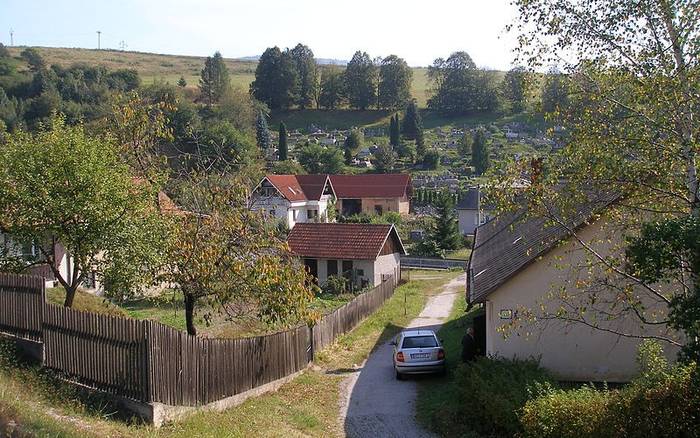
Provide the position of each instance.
(360, 79)
(62, 186)
(395, 77)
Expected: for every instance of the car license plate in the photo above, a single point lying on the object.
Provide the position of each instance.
(420, 355)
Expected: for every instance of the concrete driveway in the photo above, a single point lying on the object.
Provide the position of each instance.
(373, 402)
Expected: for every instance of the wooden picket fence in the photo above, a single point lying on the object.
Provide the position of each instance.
(150, 362)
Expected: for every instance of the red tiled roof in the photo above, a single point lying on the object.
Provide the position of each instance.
(340, 241)
(394, 185)
(299, 187)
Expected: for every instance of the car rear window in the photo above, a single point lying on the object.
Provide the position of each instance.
(419, 342)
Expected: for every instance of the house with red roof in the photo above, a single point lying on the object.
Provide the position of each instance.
(364, 254)
(294, 198)
(372, 193)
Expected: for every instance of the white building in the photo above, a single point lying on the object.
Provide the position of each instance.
(471, 211)
(520, 270)
(362, 253)
(294, 198)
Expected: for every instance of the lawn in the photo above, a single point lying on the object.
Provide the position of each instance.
(459, 254)
(307, 406)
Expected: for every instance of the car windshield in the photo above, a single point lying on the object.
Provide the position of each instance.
(419, 342)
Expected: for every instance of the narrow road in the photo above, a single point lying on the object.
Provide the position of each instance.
(373, 402)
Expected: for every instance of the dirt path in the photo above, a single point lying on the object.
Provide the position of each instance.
(373, 402)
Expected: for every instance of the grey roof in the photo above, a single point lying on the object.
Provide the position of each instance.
(507, 244)
(470, 201)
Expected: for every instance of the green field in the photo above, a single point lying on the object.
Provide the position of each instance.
(169, 68)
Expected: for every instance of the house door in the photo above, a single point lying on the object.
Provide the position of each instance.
(311, 266)
(480, 334)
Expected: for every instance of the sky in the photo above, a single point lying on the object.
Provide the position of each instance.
(418, 31)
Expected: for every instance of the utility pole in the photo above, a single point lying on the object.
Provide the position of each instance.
(12, 37)
(98, 39)
(122, 45)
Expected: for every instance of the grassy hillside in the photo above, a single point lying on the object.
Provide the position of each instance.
(153, 66)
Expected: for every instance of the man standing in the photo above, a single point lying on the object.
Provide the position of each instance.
(468, 346)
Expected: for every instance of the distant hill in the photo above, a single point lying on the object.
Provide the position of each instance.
(169, 68)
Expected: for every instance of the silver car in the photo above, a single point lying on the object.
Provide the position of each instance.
(417, 352)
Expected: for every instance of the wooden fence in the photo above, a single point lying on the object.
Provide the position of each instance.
(150, 362)
(22, 299)
(347, 317)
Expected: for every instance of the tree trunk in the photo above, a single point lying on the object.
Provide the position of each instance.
(189, 314)
(70, 296)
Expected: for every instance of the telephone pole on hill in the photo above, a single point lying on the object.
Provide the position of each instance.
(98, 39)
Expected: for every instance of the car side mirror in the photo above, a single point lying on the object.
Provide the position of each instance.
(392, 343)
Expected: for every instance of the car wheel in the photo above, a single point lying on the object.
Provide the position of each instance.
(399, 376)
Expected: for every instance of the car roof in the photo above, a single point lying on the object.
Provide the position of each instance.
(410, 333)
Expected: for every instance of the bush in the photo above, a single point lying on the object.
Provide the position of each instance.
(335, 285)
(491, 394)
(663, 401)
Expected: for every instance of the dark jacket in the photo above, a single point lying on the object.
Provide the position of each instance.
(468, 348)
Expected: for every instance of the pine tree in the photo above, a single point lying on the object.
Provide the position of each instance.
(480, 152)
(214, 79)
(445, 232)
(282, 149)
(384, 158)
(347, 153)
(394, 131)
(262, 133)
(412, 123)
(420, 144)
(182, 82)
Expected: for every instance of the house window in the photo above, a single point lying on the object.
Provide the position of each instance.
(294, 214)
(332, 267)
(378, 209)
(360, 272)
(312, 214)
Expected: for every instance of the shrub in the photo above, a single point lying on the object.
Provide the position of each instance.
(663, 401)
(491, 394)
(335, 285)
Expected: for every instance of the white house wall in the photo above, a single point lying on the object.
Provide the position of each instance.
(386, 265)
(572, 352)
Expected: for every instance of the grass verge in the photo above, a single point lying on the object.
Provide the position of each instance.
(437, 394)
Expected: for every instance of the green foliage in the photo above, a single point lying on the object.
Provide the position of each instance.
(318, 159)
(480, 152)
(332, 93)
(394, 131)
(222, 146)
(384, 158)
(466, 144)
(412, 126)
(662, 251)
(282, 148)
(65, 186)
(277, 82)
(288, 167)
(555, 92)
(431, 159)
(262, 133)
(515, 89)
(491, 393)
(335, 285)
(34, 59)
(307, 72)
(446, 229)
(461, 88)
(182, 83)
(663, 401)
(395, 78)
(360, 79)
(214, 79)
(354, 140)
(4, 53)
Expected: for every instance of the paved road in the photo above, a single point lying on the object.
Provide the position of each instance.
(374, 403)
